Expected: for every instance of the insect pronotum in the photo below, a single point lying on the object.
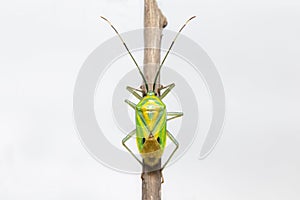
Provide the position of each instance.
(151, 115)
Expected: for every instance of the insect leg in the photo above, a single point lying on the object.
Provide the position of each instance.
(133, 91)
(172, 138)
(131, 104)
(174, 115)
(169, 88)
(125, 140)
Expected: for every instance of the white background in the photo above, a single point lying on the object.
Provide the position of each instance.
(255, 46)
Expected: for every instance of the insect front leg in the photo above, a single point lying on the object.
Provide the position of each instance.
(172, 138)
(169, 88)
(132, 133)
(131, 104)
(134, 91)
(174, 115)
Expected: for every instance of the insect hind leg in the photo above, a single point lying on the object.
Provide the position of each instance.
(172, 138)
(132, 133)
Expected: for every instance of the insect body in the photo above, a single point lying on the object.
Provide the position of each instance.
(151, 128)
(151, 116)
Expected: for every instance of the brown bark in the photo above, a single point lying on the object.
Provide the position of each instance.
(154, 22)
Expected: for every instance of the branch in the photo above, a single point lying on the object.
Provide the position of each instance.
(154, 22)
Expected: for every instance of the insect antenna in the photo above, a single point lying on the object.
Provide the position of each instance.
(140, 71)
(173, 42)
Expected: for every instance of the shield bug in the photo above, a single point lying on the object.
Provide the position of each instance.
(151, 115)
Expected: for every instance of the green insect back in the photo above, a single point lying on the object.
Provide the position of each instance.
(151, 128)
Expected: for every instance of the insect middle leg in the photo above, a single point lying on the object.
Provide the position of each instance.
(132, 133)
(172, 138)
(174, 115)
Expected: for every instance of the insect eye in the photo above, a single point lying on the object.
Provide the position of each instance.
(144, 140)
(158, 140)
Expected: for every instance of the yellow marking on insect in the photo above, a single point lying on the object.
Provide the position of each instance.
(151, 152)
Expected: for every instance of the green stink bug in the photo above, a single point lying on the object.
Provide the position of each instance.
(151, 115)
